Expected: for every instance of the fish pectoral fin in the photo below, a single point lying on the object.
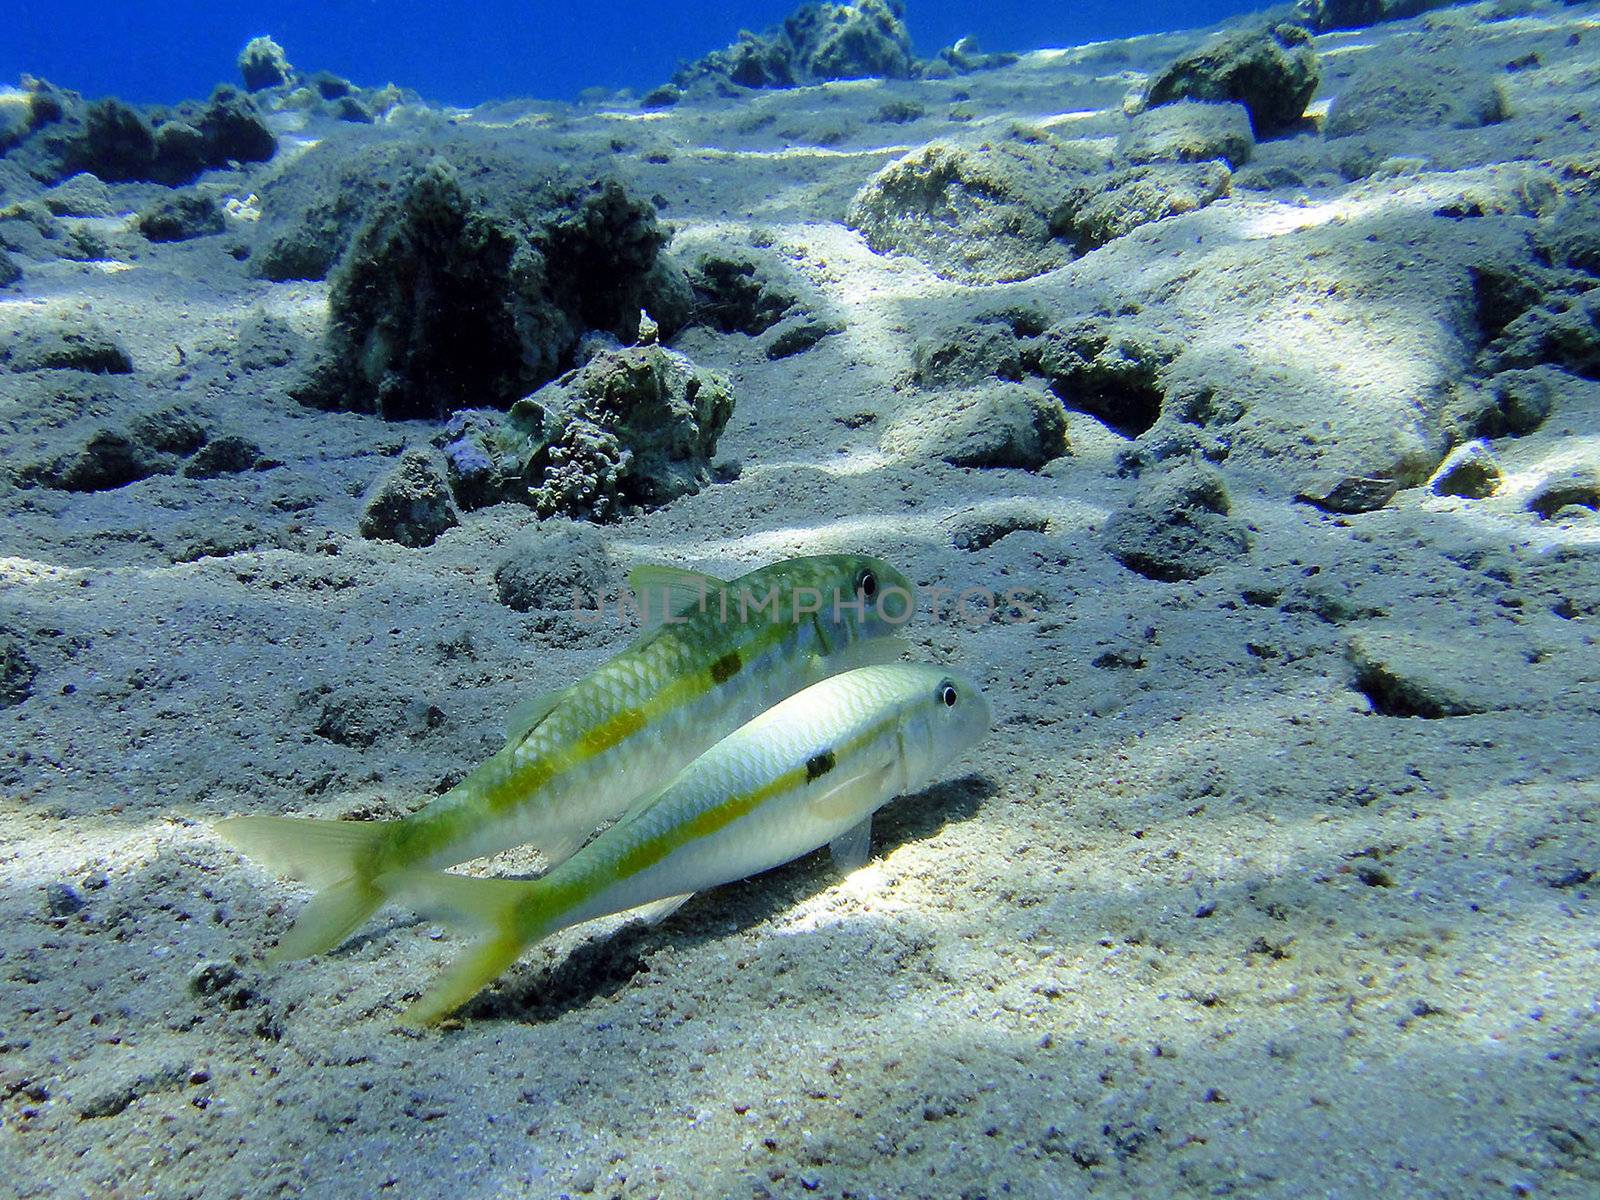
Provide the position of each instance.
(852, 848)
(658, 911)
(525, 716)
(855, 795)
(868, 652)
(662, 591)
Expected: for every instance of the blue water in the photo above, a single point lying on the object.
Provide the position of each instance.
(148, 51)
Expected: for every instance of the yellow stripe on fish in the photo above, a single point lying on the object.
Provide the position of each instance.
(809, 772)
(585, 754)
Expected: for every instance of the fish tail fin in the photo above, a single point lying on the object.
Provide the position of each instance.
(508, 913)
(328, 855)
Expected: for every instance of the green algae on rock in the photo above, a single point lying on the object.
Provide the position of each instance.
(263, 64)
(979, 213)
(1272, 72)
(1189, 131)
(631, 427)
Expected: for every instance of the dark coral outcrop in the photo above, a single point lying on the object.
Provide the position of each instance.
(451, 299)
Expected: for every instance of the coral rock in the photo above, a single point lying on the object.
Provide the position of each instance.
(1273, 73)
(1178, 528)
(991, 425)
(410, 505)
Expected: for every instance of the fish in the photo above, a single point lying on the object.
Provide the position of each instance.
(575, 758)
(811, 771)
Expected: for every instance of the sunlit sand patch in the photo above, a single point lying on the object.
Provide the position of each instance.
(616, 115)
(1072, 118)
(800, 152)
(23, 571)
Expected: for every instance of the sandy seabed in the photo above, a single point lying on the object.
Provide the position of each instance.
(1208, 914)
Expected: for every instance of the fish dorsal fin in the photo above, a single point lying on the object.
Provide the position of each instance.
(658, 911)
(853, 847)
(660, 590)
(526, 714)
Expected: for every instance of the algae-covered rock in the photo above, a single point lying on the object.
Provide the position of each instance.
(410, 504)
(80, 195)
(737, 291)
(118, 143)
(234, 129)
(105, 458)
(991, 425)
(263, 64)
(1189, 131)
(1562, 332)
(1272, 72)
(1098, 210)
(481, 456)
(980, 213)
(632, 427)
(449, 300)
(558, 564)
(306, 241)
(57, 344)
(817, 42)
(226, 455)
(1437, 90)
(1323, 15)
(1470, 470)
(29, 110)
(16, 117)
(10, 271)
(751, 62)
(851, 41)
(1178, 528)
(1107, 367)
(968, 353)
(181, 153)
(180, 217)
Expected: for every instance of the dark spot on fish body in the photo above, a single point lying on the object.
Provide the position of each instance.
(819, 765)
(726, 667)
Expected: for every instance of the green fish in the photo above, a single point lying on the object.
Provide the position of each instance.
(809, 772)
(583, 755)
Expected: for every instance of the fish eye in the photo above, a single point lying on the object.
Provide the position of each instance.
(947, 694)
(867, 583)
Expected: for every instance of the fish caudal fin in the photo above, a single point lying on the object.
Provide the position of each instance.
(464, 979)
(332, 915)
(502, 910)
(328, 855)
